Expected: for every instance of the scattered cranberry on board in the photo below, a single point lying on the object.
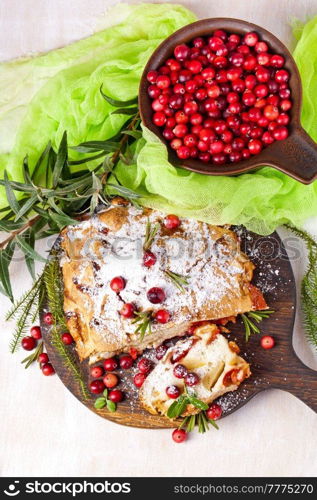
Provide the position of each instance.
(43, 358)
(67, 339)
(48, 318)
(156, 295)
(110, 364)
(214, 411)
(126, 362)
(267, 342)
(97, 386)
(110, 380)
(149, 259)
(138, 379)
(36, 332)
(116, 396)
(179, 435)
(162, 316)
(96, 371)
(127, 310)
(172, 221)
(144, 365)
(173, 391)
(28, 343)
(217, 86)
(117, 284)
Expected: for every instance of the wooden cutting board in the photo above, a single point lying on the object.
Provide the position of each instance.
(276, 368)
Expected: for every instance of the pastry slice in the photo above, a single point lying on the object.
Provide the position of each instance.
(207, 354)
(214, 273)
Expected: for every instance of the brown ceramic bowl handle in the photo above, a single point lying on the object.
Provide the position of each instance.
(297, 156)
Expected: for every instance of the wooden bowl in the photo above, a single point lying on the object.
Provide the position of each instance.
(296, 156)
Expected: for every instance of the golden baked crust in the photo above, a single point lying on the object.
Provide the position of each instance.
(208, 354)
(110, 244)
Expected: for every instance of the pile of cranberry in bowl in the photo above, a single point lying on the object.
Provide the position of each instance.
(221, 99)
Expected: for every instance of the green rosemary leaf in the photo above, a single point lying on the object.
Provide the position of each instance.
(100, 403)
(62, 220)
(150, 233)
(16, 186)
(86, 160)
(61, 159)
(136, 134)
(191, 423)
(127, 193)
(115, 102)
(13, 202)
(178, 280)
(30, 239)
(18, 305)
(4, 275)
(34, 356)
(26, 207)
(39, 162)
(27, 249)
(213, 423)
(111, 406)
(8, 225)
(92, 146)
(125, 111)
(26, 170)
(197, 403)
(144, 320)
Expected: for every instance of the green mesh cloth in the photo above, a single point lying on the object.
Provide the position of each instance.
(42, 97)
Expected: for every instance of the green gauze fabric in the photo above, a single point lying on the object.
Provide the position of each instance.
(43, 96)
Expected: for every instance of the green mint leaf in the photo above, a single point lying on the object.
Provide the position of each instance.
(100, 403)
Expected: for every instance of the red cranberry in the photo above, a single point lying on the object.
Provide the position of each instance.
(149, 259)
(277, 61)
(139, 379)
(284, 93)
(214, 412)
(168, 134)
(144, 365)
(172, 221)
(250, 63)
(176, 101)
(198, 42)
(267, 342)
(172, 391)
(43, 358)
(163, 82)
(180, 371)
(97, 386)
(283, 119)
(263, 59)
(117, 284)
(48, 318)
(271, 112)
(110, 380)
(28, 343)
(176, 144)
(280, 133)
(282, 76)
(179, 435)
(255, 146)
(219, 159)
(110, 364)
(160, 351)
(251, 39)
(191, 379)
(36, 332)
(116, 396)
(156, 295)
(190, 107)
(127, 310)
(152, 76)
(261, 47)
(267, 138)
(67, 339)
(285, 104)
(126, 362)
(159, 119)
(183, 153)
(96, 371)
(162, 316)
(181, 52)
(47, 369)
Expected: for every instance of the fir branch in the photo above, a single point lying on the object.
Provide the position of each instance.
(150, 233)
(54, 291)
(309, 286)
(254, 316)
(178, 280)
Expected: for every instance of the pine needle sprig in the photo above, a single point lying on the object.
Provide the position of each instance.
(23, 312)
(150, 233)
(179, 281)
(144, 321)
(250, 318)
(309, 286)
(53, 286)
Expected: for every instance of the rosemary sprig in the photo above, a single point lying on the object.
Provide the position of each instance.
(103, 401)
(178, 407)
(254, 316)
(199, 420)
(178, 280)
(34, 356)
(309, 286)
(54, 293)
(144, 321)
(150, 233)
(51, 197)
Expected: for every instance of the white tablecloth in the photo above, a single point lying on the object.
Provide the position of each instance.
(44, 430)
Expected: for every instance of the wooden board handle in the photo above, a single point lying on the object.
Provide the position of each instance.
(301, 381)
(298, 156)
